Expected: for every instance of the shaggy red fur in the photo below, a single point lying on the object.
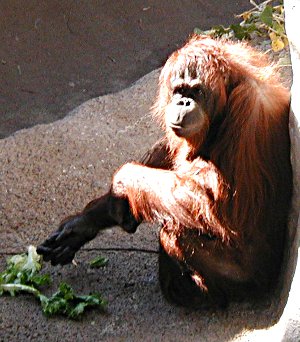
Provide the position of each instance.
(224, 200)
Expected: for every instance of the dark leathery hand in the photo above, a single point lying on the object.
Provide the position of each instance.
(61, 246)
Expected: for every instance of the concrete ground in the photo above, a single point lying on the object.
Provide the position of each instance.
(52, 170)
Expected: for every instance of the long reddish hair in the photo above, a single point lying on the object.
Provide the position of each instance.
(251, 147)
(244, 144)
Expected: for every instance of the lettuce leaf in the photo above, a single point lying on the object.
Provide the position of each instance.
(22, 275)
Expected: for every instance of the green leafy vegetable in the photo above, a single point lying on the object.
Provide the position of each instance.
(99, 261)
(267, 16)
(22, 270)
(66, 302)
(22, 275)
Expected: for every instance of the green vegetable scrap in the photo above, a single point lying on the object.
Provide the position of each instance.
(263, 20)
(22, 275)
(99, 261)
(67, 303)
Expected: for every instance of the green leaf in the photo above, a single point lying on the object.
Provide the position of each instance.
(77, 310)
(23, 269)
(99, 261)
(220, 30)
(40, 280)
(267, 16)
(93, 299)
(22, 275)
(54, 305)
(65, 291)
(250, 28)
(279, 28)
(239, 31)
(65, 302)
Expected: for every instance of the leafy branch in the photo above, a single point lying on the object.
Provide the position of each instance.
(22, 275)
(263, 20)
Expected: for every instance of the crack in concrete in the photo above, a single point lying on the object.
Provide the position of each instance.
(106, 249)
